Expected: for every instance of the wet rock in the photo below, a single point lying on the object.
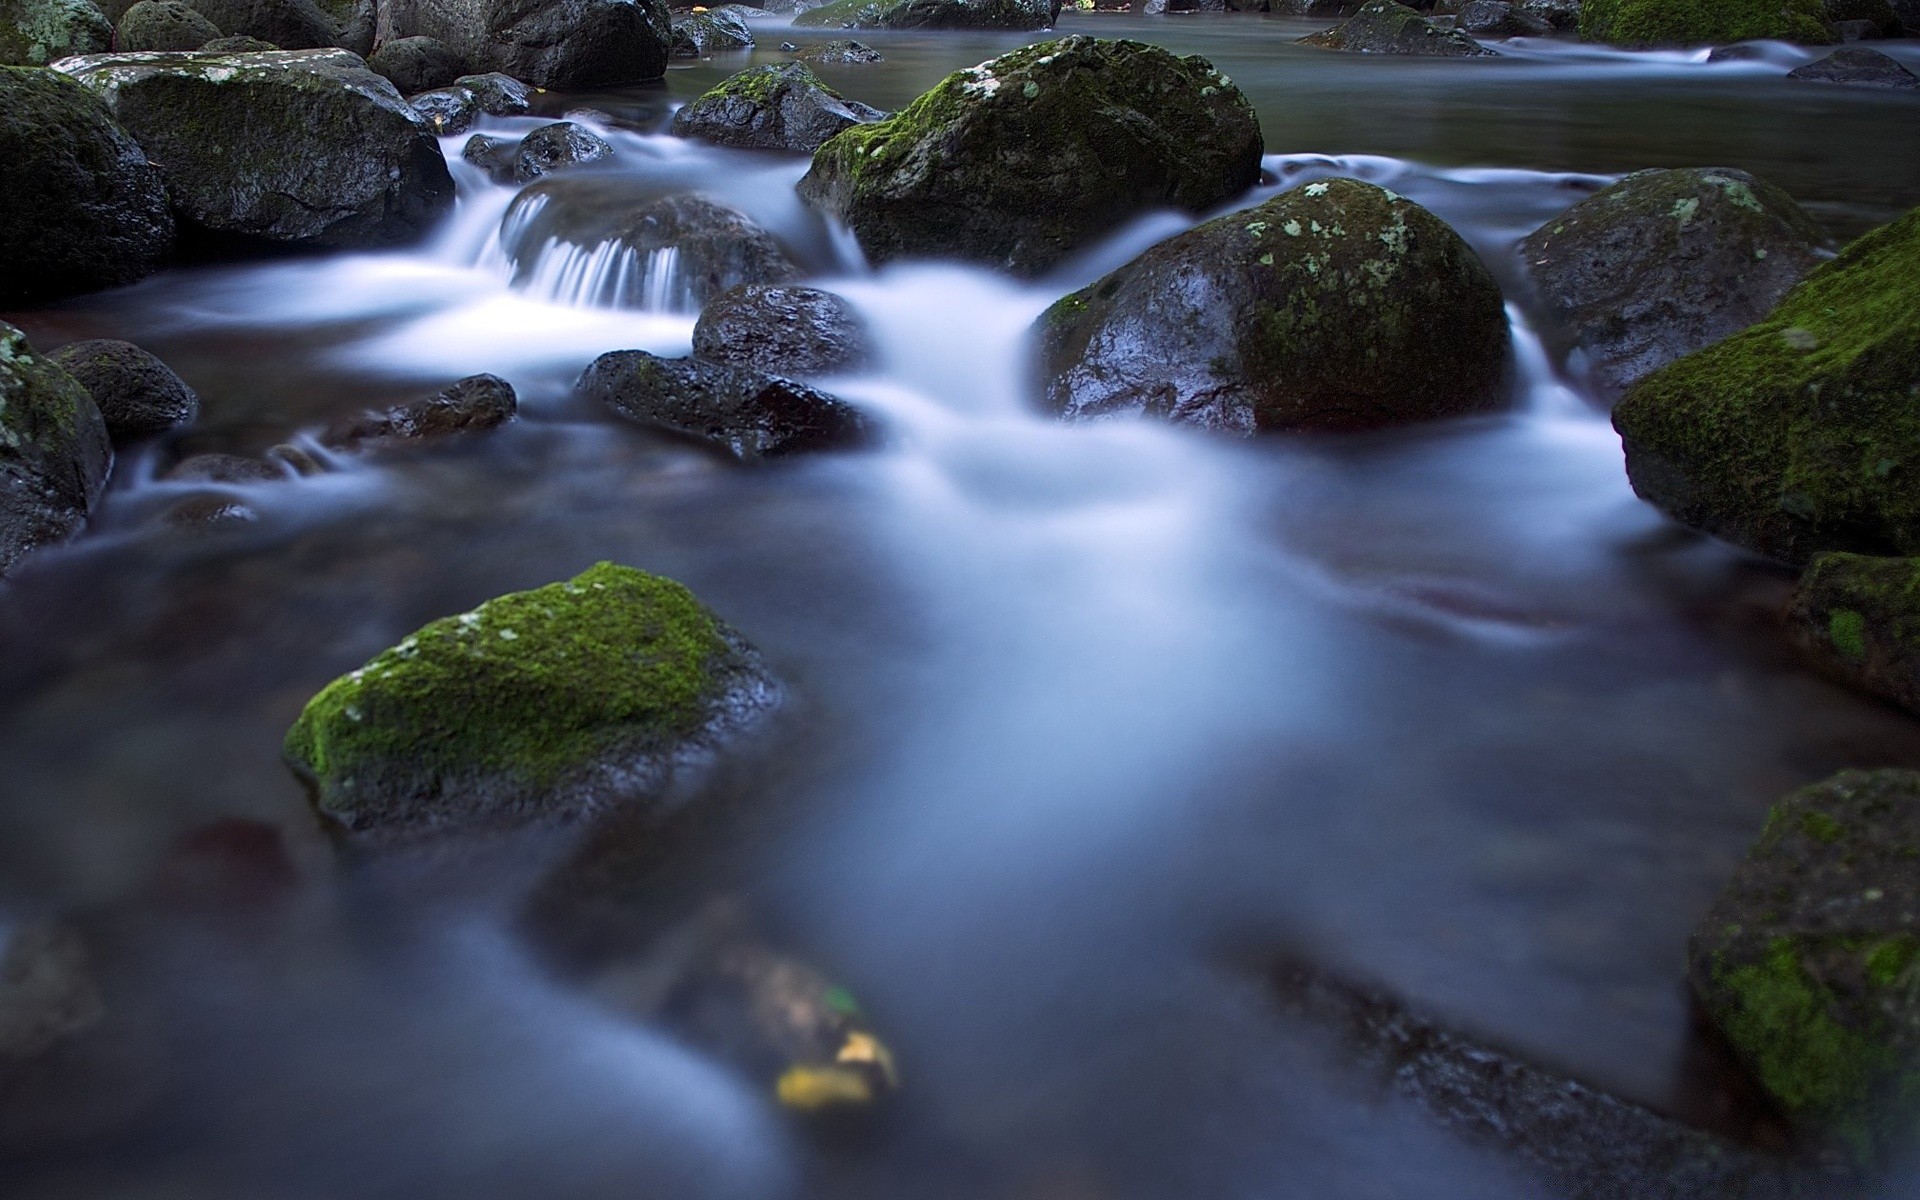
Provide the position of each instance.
(1663, 263)
(47, 988)
(1798, 434)
(1012, 15)
(567, 45)
(843, 52)
(34, 33)
(224, 468)
(475, 403)
(1337, 305)
(1562, 15)
(54, 453)
(539, 705)
(749, 414)
(164, 25)
(450, 110)
(712, 31)
(557, 146)
(1806, 962)
(1383, 27)
(288, 149)
(675, 253)
(288, 24)
(138, 395)
(417, 64)
(1858, 618)
(786, 330)
(1023, 160)
(81, 208)
(498, 95)
(494, 155)
(237, 45)
(1857, 67)
(1499, 19)
(1649, 23)
(783, 107)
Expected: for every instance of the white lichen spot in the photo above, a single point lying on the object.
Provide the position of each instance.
(1800, 339)
(508, 635)
(1031, 90)
(1683, 210)
(1291, 228)
(1759, 251)
(1266, 260)
(1316, 189)
(1257, 228)
(353, 714)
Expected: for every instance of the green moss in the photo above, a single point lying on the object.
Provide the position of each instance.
(858, 13)
(1820, 827)
(1699, 22)
(766, 84)
(530, 687)
(1848, 631)
(1889, 960)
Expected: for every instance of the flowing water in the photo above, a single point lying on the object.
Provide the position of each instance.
(1085, 719)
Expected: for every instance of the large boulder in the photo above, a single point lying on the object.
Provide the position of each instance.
(536, 706)
(1858, 617)
(417, 64)
(1808, 963)
(80, 206)
(748, 414)
(1857, 67)
(1643, 23)
(1384, 27)
(1801, 433)
(138, 395)
(1337, 305)
(568, 45)
(783, 329)
(1013, 15)
(706, 32)
(295, 148)
(54, 453)
(288, 24)
(164, 25)
(1663, 263)
(34, 33)
(775, 107)
(1023, 160)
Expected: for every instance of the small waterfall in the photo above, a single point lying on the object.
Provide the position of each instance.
(608, 274)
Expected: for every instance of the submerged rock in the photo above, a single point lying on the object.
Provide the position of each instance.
(1858, 617)
(712, 31)
(786, 330)
(1799, 434)
(553, 147)
(1013, 15)
(783, 107)
(1648, 23)
(1023, 160)
(163, 25)
(843, 52)
(294, 149)
(417, 64)
(1663, 263)
(539, 705)
(1857, 67)
(568, 45)
(475, 403)
(1337, 305)
(54, 453)
(81, 208)
(1806, 962)
(137, 394)
(34, 33)
(749, 414)
(1384, 27)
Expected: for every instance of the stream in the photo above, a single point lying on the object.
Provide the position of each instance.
(1086, 717)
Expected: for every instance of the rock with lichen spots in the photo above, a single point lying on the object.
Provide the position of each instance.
(1806, 963)
(1337, 305)
(1800, 434)
(1857, 617)
(537, 706)
(34, 33)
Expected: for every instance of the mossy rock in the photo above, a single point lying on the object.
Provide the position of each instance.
(1337, 305)
(1647, 23)
(292, 148)
(1023, 160)
(34, 33)
(138, 395)
(1858, 617)
(775, 107)
(1663, 263)
(1384, 27)
(1009, 15)
(1802, 433)
(1806, 962)
(54, 453)
(537, 706)
(81, 208)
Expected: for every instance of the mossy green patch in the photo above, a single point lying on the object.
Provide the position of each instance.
(1848, 631)
(1700, 22)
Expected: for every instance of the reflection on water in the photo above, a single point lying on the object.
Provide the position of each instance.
(1080, 710)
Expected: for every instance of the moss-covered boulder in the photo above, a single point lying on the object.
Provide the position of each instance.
(774, 107)
(1384, 27)
(1009, 15)
(1021, 161)
(1801, 433)
(1857, 616)
(569, 45)
(284, 149)
(1664, 263)
(164, 25)
(1337, 305)
(81, 208)
(34, 33)
(1806, 963)
(54, 454)
(1646, 23)
(539, 705)
(748, 414)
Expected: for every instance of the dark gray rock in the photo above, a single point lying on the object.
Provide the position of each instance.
(749, 414)
(1562, 15)
(783, 329)
(784, 107)
(498, 95)
(1337, 305)
(165, 25)
(296, 148)
(417, 64)
(137, 394)
(288, 24)
(475, 403)
(1499, 19)
(34, 33)
(54, 453)
(1856, 67)
(1383, 27)
(567, 45)
(81, 208)
(714, 31)
(494, 155)
(1663, 263)
(555, 147)
(844, 52)
(450, 110)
